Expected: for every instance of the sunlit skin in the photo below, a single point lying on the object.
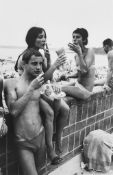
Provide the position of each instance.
(109, 50)
(40, 41)
(48, 111)
(77, 39)
(84, 61)
(85, 75)
(34, 66)
(62, 113)
(22, 98)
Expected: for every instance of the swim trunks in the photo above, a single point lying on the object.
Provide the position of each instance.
(33, 144)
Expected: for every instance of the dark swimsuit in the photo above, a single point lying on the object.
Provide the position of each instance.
(33, 144)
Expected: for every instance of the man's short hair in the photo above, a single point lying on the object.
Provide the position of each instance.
(27, 55)
(108, 42)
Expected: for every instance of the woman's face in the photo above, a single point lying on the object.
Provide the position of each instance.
(40, 40)
(77, 39)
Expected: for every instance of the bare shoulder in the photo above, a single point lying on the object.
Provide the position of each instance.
(110, 54)
(91, 51)
(10, 83)
(9, 90)
(90, 56)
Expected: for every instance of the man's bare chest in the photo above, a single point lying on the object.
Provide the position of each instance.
(23, 90)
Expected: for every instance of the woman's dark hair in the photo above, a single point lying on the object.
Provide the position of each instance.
(29, 52)
(108, 42)
(32, 34)
(16, 64)
(84, 33)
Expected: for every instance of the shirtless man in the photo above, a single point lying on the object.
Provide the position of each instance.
(108, 48)
(22, 98)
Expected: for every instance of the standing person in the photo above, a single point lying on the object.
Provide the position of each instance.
(22, 96)
(36, 38)
(85, 61)
(108, 48)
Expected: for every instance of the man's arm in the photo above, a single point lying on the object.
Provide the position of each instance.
(109, 75)
(15, 105)
(110, 68)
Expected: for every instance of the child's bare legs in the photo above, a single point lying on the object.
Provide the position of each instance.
(48, 124)
(61, 115)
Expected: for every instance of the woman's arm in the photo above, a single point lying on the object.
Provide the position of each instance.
(47, 59)
(49, 73)
(84, 63)
(87, 62)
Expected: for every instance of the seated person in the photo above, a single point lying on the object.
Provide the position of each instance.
(3, 126)
(85, 61)
(108, 48)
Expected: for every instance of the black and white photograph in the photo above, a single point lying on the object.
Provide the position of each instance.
(56, 87)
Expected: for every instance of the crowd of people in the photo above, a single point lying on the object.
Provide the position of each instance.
(33, 109)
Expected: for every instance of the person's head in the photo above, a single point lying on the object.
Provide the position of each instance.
(80, 36)
(36, 37)
(107, 45)
(33, 61)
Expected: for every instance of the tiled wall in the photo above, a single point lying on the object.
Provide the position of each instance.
(85, 116)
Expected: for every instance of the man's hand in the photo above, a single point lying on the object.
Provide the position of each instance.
(37, 82)
(60, 61)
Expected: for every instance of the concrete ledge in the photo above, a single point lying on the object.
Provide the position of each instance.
(69, 168)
